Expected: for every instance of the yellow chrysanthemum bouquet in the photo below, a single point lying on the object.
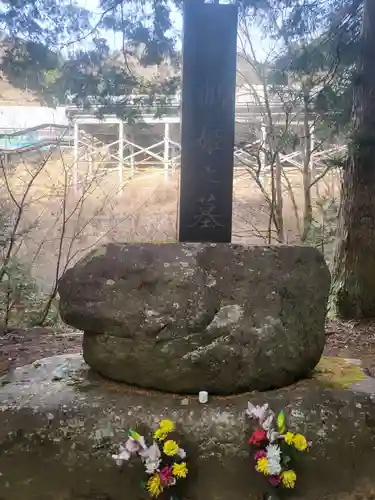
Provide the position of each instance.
(164, 460)
(276, 448)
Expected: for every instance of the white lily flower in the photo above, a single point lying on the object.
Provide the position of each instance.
(152, 452)
(135, 437)
(139, 443)
(151, 457)
(181, 453)
(268, 422)
(132, 445)
(123, 456)
(142, 442)
(257, 412)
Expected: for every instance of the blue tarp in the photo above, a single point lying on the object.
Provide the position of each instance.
(18, 118)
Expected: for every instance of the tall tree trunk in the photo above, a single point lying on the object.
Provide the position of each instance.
(354, 272)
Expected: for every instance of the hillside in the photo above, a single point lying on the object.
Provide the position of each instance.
(17, 94)
(13, 96)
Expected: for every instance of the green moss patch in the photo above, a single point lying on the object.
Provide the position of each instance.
(337, 372)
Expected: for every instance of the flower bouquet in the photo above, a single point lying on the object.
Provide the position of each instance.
(276, 447)
(163, 460)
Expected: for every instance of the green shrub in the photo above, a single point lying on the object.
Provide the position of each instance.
(21, 299)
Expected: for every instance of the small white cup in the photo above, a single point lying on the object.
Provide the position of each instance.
(203, 397)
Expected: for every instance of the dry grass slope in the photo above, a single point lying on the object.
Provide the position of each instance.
(12, 96)
(60, 223)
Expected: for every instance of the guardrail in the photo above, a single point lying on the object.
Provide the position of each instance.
(32, 138)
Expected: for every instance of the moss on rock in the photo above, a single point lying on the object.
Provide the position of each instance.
(338, 372)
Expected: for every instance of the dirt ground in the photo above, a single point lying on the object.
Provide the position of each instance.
(20, 347)
(352, 339)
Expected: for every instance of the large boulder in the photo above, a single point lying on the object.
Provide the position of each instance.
(60, 423)
(184, 317)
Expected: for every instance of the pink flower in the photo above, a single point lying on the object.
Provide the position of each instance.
(260, 454)
(258, 437)
(274, 480)
(166, 476)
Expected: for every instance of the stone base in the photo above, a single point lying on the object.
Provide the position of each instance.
(60, 423)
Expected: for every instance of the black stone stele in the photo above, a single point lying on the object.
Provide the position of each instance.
(207, 124)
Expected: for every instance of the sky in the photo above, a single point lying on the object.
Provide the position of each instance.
(261, 45)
